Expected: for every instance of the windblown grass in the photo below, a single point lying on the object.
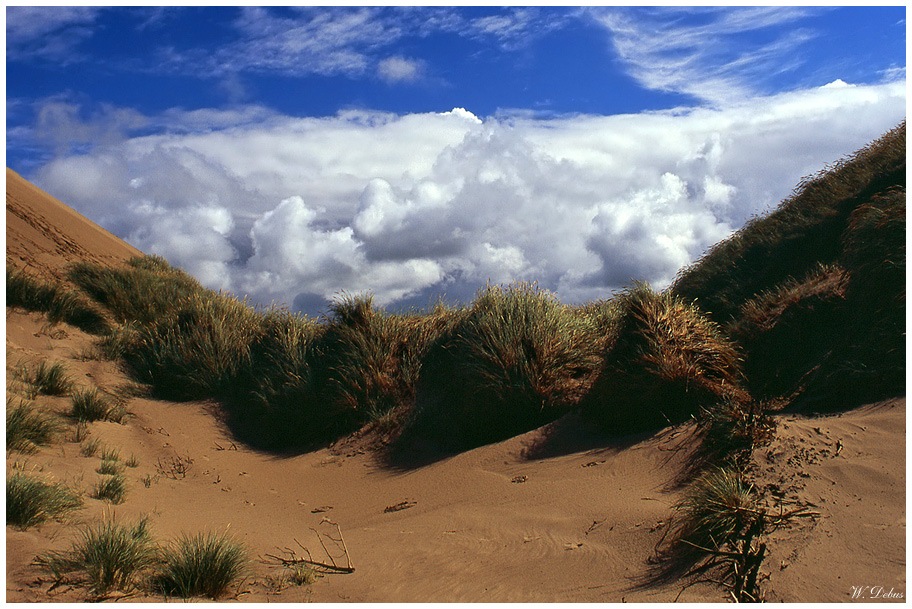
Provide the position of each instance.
(106, 556)
(788, 331)
(667, 362)
(198, 352)
(30, 501)
(109, 468)
(370, 359)
(144, 292)
(201, 565)
(58, 303)
(515, 360)
(28, 428)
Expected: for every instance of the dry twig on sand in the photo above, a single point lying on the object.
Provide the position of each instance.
(332, 566)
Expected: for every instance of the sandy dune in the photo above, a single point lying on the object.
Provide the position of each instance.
(43, 235)
(577, 520)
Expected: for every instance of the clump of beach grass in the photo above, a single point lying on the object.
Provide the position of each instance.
(203, 564)
(515, 360)
(46, 378)
(198, 350)
(147, 289)
(369, 359)
(716, 508)
(31, 501)
(106, 556)
(26, 427)
(90, 405)
(111, 488)
(90, 447)
(59, 304)
(109, 468)
(666, 363)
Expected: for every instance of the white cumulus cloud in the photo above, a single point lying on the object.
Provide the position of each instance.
(296, 210)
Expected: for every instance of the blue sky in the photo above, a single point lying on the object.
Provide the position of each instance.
(294, 153)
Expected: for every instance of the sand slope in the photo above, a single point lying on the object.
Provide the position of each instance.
(43, 235)
(849, 467)
(576, 521)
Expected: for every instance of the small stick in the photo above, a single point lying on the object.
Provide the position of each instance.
(344, 549)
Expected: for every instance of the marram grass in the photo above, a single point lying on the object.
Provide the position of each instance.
(204, 564)
(515, 360)
(58, 303)
(106, 556)
(716, 508)
(90, 405)
(666, 363)
(31, 501)
(26, 427)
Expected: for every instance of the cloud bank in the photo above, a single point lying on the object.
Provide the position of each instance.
(296, 210)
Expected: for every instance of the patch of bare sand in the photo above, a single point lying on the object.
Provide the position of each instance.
(849, 467)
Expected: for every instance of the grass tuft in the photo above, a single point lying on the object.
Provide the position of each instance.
(26, 428)
(109, 468)
(106, 556)
(59, 304)
(30, 502)
(111, 488)
(201, 565)
(90, 448)
(717, 507)
(515, 360)
(666, 363)
(90, 406)
(47, 379)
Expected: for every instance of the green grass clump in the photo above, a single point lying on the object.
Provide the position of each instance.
(788, 331)
(107, 556)
(90, 406)
(110, 454)
(370, 359)
(716, 508)
(48, 379)
(111, 488)
(27, 428)
(666, 363)
(30, 501)
(515, 360)
(58, 303)
(201, 565)
(274, 403)
(90, 448)
(199, 349)
(109, 468)
(144, 291)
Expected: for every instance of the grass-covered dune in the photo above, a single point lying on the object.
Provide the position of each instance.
(814, 293)
(805, 305)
